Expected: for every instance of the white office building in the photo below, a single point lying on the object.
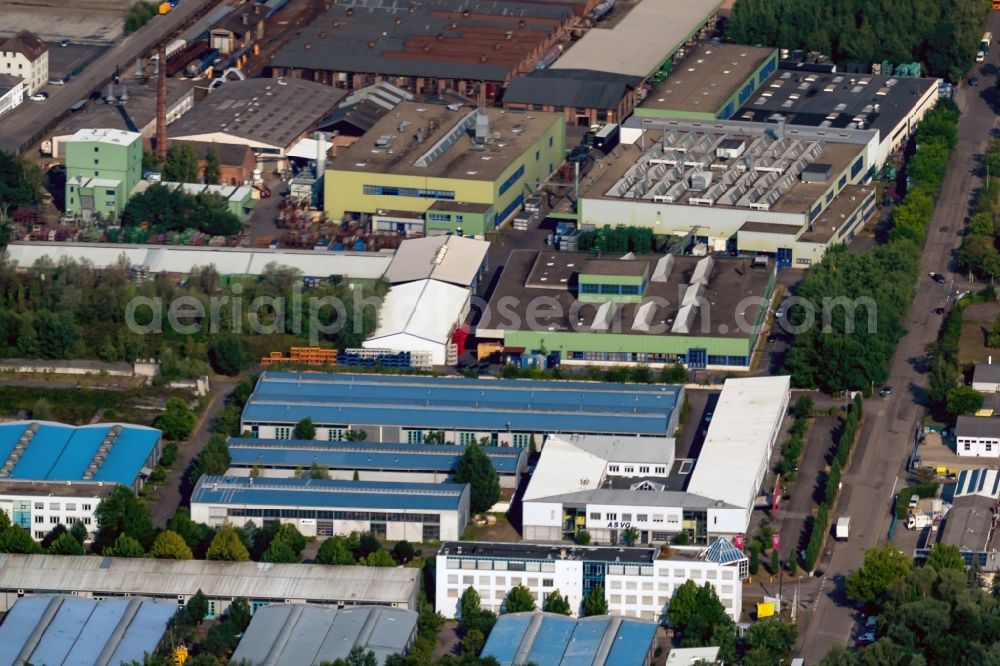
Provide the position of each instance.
(636, 582)
(977, 436)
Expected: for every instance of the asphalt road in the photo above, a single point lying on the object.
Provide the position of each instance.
(887, 438)
(28, 123)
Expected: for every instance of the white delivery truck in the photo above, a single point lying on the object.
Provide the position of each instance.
(843, 528)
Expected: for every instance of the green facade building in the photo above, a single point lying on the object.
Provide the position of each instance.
(103, 166)
(446, 163)
(645, 309)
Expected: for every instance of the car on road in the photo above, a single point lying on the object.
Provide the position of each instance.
(780, 312)
(864, 639)
(57, 82)
(40, 97)
(973, 81)
(64, 43)
(885, 392)
(914, 501)
(937, 277)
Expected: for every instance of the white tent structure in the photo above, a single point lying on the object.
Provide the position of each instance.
(420, 317)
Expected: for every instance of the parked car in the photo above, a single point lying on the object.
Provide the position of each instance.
(914, 501)
(937, 277)
(885, 392)
(973, 81)
(40, 97)
(65, 42)
(939, 310)
(57, 82)
(864, 639)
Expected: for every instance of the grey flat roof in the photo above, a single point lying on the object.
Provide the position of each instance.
(817, 99)
(541, 551)
(303, 634)
(986, 372)
(977, 426)
(227, 580)
(638, 44)
(769, 228)
(8, 81)
(618, 496)
(707, 77)
(578, 88)
(64, 630)
(731, 281)
(140, 108)
(270, 111)
(511, 134)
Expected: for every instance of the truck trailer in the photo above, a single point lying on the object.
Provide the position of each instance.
(843, 528)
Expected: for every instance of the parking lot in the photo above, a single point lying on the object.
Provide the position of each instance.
(82, 21)
(68, 61)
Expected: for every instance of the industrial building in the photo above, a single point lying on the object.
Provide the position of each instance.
(236, 163)
(450, 259)
(103, 166)
(239, 199)
(434, 156)
(268, 115)
(643, 40)
(549, 639)
(421, 317)
(241, 29)
(304, 635)
(129, 107)
(358, 112)
(977, 436)
(428, 47)
(227, 260)
(55, 474)
(371, 461)
(584, 96)
(417, 512)
(12, 93)
(26, 56)
(637, 582)
(402, 408)
(890, 106)
(712, 81)
(737, 186)
(96, 577)
(64, 629)
(970, 524)
(619, 483)
(651, 309)
(734, 457)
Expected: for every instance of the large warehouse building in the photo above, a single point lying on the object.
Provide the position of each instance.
(92, 576)
(400, 408)
(370, 461)
(54, 474)
(651, 309)
(424, 156)
(416, 512)
(637, 582)
(67, 630)
(787, 192)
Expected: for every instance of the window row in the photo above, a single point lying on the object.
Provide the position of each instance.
(334, 515)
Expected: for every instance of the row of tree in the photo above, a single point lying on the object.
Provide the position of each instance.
(942, 34)
(182, 164)
(979, 254)
(947, 394)
(72, 310)
(860, 300)
(616, 239)
(164, 209)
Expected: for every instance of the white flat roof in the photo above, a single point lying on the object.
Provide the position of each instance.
(740, 436)
(453, 259)
(227, 260)
(426, 309)
(106, 135)
(640, 42)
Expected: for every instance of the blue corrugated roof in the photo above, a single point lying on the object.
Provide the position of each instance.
(461, 403)
(585, 641)
(506, 637)
(551, 640)
(59, 452)
(325, 493)
(362, 455)
(554, 640)
(632, 643)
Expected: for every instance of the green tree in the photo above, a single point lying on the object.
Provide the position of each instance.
(227, 546)
(754, 564)
(279, 551)
(227, 355)
(775, 562)
(472, 642)
(434, 437)
(582, 537)
(469, 603)
(304, 429)
(964, 400)
(518, 600)
(182, 164)
(41, 410)
(239, 613)
(335, 551)
(79, 532)
(125, 546)
(356, 435)
(358, 656)
(471, 615)
(317, 471)
(993, 337)
(53, 534)
(17, 540)
(594, 602)
(20, 182)
(4, 520)
(882, 567)
(403, 552)
(793, 563)
(66, 545)
(803, 407)
(170, 546)
(138, 15)
(176, 421)
(773, 637)
(630, 535)
(197, 607)
(946, 556)
(212, 166)
(214, 459)
(379, 558)
(476, 469)
(121, 512)
(557, 603)
(683, 605)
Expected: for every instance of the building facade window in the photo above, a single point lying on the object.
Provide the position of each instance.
(511, 180)
(283, 432)
(521, 439)
(388, 191)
